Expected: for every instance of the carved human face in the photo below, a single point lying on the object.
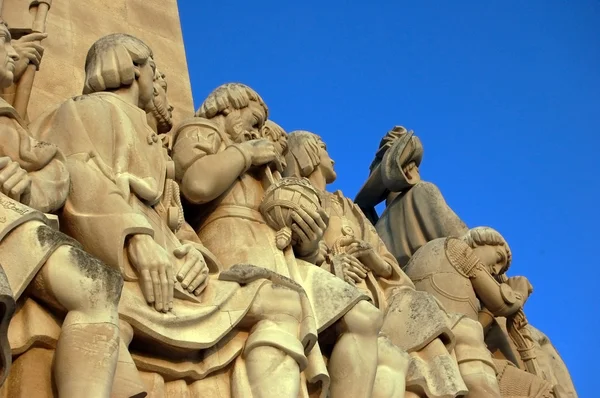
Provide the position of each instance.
(326, 163)
(493, 257)
(160, 109)
(8, 57)
(245, 124)
(145, 81)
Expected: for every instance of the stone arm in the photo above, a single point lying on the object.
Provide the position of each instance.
(50, 185)
(499, 298)
(44, 163)
(388, 266)
(205, 172)
(98, 214)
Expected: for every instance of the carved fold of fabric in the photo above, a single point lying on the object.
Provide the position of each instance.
(416, 322)
(7, 309)
(517, 383)
(416, 217)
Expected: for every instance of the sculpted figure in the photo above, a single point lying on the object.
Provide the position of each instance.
(225, 168)
(364, 261)
(174, 311)
(57, 273)
(463, 274)
(416, 211)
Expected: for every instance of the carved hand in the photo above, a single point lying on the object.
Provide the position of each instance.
(520, 284)
(29, 52)
(308, 227)
(261, 150)
(367, 255)
(194, 270)
(14, 180)
(156, 271)
(354, 271)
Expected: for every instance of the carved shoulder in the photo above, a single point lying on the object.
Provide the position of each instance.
(192, 140)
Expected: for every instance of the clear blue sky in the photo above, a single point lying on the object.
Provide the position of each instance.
(505, 96)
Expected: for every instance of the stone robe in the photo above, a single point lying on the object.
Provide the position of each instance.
(414, 320)
(233, 229)
(414, 217)
(118, 171)
(26, 240)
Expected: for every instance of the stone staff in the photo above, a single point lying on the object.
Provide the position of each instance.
(519, 334)
(26, 82)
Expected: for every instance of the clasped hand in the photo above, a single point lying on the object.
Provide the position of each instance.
(308, 228)
(14, 180)
(156, 270)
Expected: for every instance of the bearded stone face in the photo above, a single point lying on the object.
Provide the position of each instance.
(159, 108)
(245, 124)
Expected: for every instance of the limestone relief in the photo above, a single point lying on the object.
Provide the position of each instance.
(147, 250)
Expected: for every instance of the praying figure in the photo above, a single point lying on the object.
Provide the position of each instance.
(413, 320)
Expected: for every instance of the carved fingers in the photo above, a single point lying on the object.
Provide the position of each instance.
(156, 271)
(308, 227)
(520, 284)
(262, 151)
(14, 180)
(359, 249)
(194, 271)
(353, 270)
(30, 51)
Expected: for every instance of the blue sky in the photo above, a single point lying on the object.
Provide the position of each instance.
(505, 96)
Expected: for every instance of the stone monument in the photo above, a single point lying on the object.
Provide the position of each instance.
(150, 251)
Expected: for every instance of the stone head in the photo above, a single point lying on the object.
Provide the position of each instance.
(119, 61)
(307, 154)
(240, 110)
(276, 134)
(8, 56)
(491, 248)
(159, 108)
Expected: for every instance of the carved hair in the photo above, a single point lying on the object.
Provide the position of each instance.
(111, 61)
(481, 236)
(229, 97)
(303, 154)
(275, 133)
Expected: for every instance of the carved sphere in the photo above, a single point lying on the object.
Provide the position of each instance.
(284, 197)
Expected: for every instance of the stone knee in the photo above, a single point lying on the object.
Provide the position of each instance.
(276, 315)
(474, 360)
(363, 319)
(80, 282)
(270, 334)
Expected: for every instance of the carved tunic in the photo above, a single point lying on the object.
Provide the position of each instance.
(250, 240)
(415, 217)
(436, 268)
(25, 226)
(118, 169)
(347, 218)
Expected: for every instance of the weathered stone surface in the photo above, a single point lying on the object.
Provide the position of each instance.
(73, 26)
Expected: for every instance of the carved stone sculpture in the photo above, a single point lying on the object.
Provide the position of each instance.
(120, 174)
(462, 274)
(357, 255)
(80, 291)
(225, 167)
(416, 211)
